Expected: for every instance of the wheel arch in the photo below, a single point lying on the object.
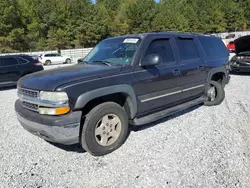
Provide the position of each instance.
(217, 74)
(126, 93)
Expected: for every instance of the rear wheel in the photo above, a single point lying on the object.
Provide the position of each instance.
(105, 129)
(47, 62)
(68, 61)
(215, 94)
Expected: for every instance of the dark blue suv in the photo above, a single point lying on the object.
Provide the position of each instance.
(134, 79)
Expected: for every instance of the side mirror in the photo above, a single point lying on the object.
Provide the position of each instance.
(150, 60)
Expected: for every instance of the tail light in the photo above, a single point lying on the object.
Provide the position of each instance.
(37, 63)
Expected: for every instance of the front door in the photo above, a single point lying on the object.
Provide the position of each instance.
(157, 86)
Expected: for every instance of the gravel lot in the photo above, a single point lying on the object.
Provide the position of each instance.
(201, 147)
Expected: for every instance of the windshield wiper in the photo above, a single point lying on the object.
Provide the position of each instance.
(103, 62)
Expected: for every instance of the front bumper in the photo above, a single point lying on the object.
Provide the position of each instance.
(240, 68)
(63, 129)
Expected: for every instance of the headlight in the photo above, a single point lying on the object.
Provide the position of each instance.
(53, 96)
(53, 103)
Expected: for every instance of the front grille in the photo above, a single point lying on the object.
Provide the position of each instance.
(30, 106)
(28, 93)
(24, 95)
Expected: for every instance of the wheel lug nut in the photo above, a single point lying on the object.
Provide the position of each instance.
(107, 124)
(111, 130)
(108, 134)
(103, 128)
(104, 132)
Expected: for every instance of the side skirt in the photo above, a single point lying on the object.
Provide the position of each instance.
(162, 114)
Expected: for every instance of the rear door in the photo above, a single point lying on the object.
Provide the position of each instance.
(9, 71)
(192, 67)
(51, 58)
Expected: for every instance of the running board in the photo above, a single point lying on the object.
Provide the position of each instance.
(162, 114)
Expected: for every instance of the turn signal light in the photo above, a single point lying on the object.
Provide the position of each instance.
(54, 111)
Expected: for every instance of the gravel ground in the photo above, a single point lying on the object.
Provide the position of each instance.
(201, 147)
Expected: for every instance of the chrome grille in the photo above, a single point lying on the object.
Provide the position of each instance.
(30, 106)
(28, 93)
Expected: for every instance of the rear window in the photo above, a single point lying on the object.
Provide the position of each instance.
(213, 47)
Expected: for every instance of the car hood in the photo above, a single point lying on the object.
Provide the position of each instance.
(49, 80)
(242, 44)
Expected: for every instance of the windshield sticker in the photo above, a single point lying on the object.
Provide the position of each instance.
(131, 40)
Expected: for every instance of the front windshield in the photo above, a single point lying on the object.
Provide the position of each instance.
(114, 51)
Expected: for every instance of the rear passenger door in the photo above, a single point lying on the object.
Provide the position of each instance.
(9, 71)
(193, 75)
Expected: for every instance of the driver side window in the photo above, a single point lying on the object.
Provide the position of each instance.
(163, 48)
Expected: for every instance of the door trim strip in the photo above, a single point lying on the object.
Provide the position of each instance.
(172, 93)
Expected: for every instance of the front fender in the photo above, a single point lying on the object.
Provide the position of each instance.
(131, 100)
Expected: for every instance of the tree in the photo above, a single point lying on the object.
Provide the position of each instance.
(170, 16)
(140, 15)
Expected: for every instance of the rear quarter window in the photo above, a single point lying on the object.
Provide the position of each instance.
(22, 60)
(213, 47)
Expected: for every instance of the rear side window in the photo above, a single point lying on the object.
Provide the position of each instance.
(213, 47)
(21, 60)
(187, 49)
(8, 61)
(49, 55)
(163, 48)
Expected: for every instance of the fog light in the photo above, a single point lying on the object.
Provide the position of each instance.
(54, 111)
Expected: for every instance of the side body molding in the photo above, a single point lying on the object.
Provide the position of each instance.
(127, 90)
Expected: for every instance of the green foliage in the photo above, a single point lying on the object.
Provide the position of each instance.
(57, 24)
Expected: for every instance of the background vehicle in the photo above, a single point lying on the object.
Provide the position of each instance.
(230, 36)
(241, 61)
(54, 58)
(134, 79)
(81, 60)
(231, 46)
(12, 68)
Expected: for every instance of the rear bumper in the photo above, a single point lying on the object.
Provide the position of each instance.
(59, 129)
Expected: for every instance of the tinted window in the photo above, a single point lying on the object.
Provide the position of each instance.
(213, 47)
(187, 48)
(8, 61)
(21, 60)
(163, 48)
(49, 55)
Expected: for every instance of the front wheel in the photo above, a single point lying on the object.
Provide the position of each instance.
(105, 129)
(215, 94)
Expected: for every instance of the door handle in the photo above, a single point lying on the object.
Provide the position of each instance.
(176, 72)
(200, 67)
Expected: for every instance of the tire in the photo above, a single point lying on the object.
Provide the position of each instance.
(89, 139)
(220, 94)
(47, 62)
(68, 61)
